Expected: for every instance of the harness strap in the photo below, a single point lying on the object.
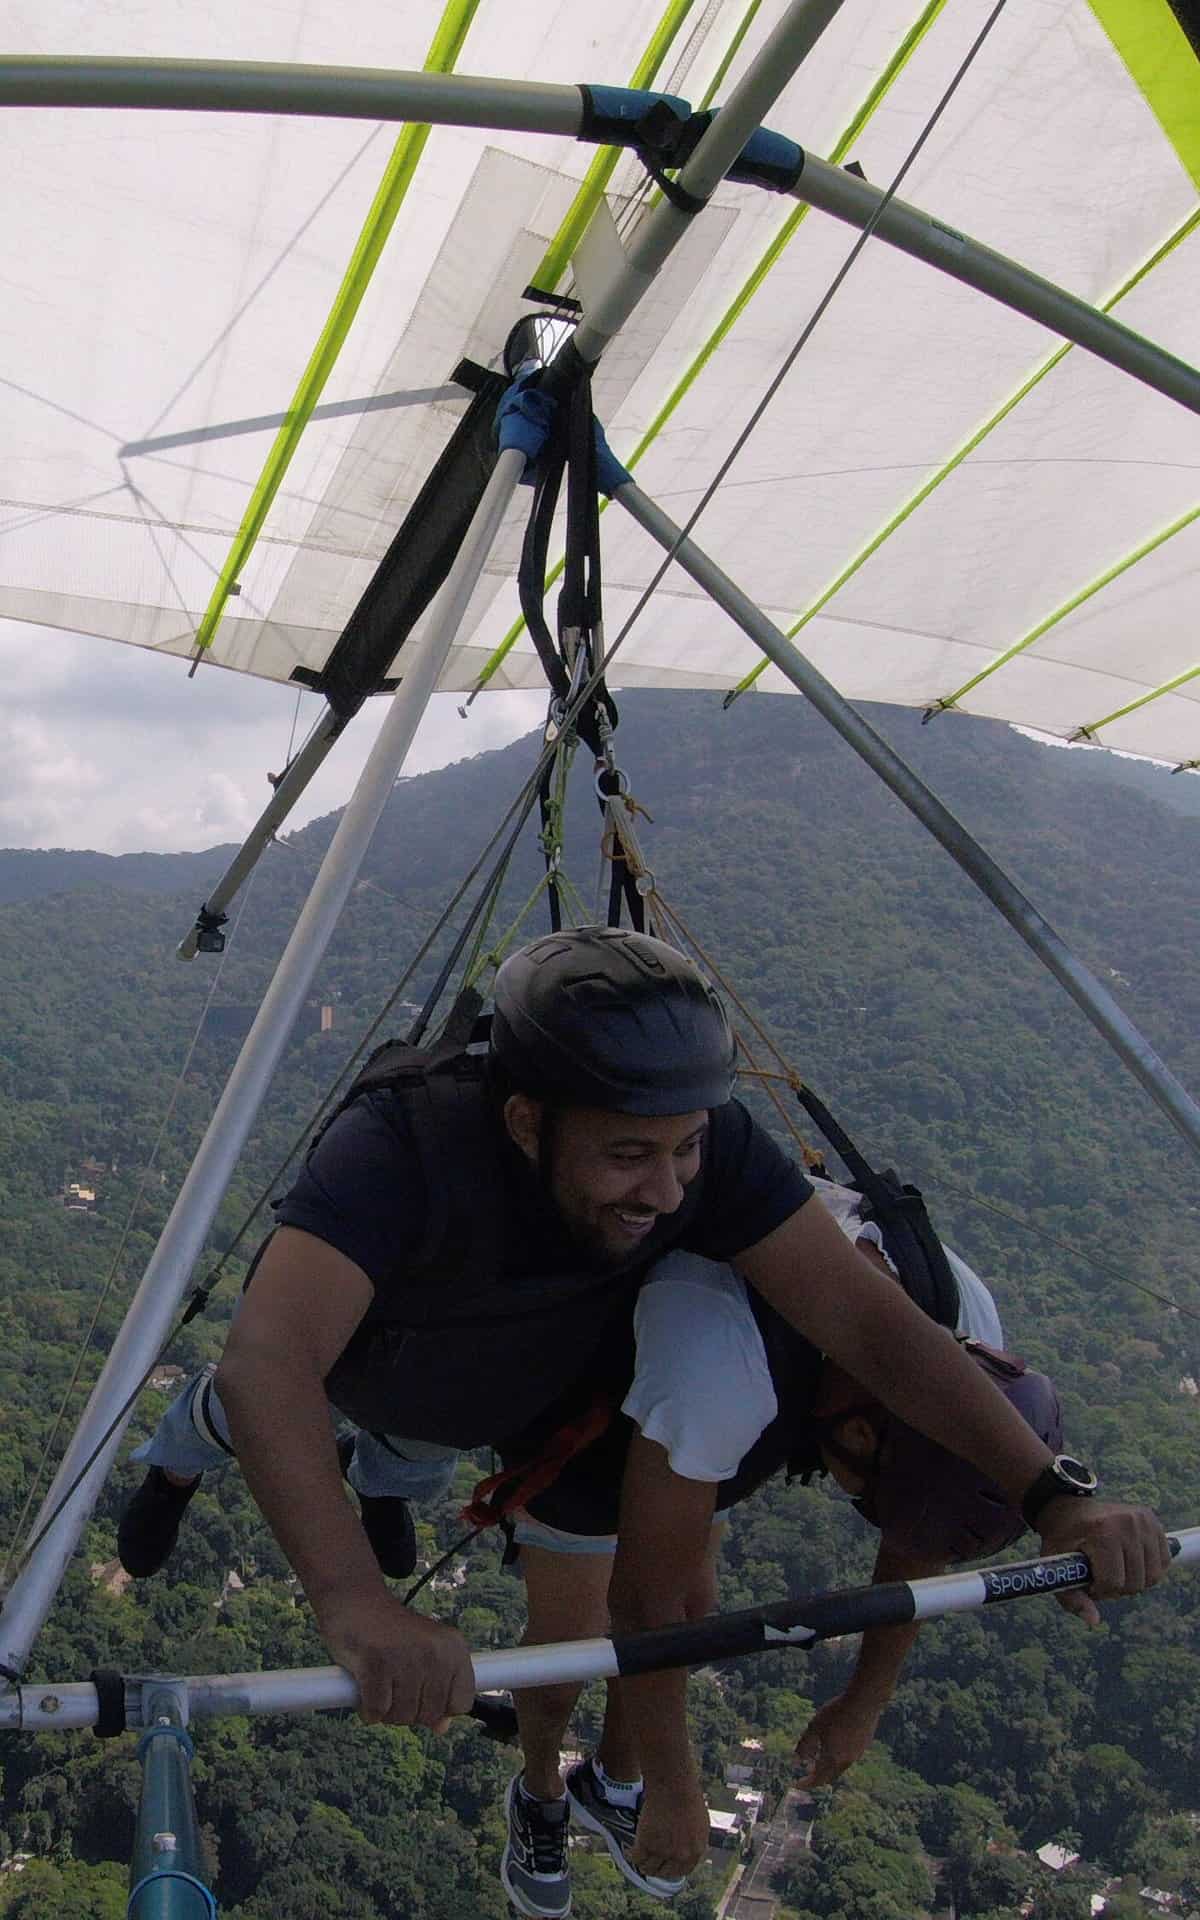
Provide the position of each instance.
(503, 1493)
(900, 1211)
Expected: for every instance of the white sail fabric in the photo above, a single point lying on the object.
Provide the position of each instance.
(168, 274)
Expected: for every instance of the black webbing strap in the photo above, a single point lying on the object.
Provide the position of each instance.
(903, 1219)
(838, 1139)
(535, 554)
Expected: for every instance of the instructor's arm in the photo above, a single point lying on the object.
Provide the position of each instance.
(812, 1276)
(297, 1316)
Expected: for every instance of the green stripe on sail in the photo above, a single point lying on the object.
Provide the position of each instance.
(750, 286)
(1155, 50)
(1143, 700)
(595, 180)
(1084, 594)
(955, 461)
(443, 53)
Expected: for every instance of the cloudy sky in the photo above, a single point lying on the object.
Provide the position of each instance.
(111, 747)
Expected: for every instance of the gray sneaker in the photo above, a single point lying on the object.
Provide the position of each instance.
(617, 1827)
(534, 1869)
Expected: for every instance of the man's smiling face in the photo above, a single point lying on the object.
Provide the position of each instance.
(611, 1175)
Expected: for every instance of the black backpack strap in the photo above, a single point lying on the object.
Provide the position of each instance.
(448, 1129)
(902, 1217)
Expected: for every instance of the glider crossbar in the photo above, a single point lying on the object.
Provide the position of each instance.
(925, 238)
(956, 459)
(801, 1622)
(248, 86)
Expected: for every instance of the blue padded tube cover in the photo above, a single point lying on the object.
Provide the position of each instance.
(769, 160)
(612, 115)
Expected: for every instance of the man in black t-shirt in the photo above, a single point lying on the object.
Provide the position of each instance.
(455, 1259)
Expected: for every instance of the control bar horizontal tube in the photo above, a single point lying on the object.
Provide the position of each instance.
(801, 1622)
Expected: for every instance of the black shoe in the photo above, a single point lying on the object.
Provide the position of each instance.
(616, 1826)
(387, 1522)
(149, 1526)
(534, 1869)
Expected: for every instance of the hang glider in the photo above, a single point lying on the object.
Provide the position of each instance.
(216, 427)
(231, 341)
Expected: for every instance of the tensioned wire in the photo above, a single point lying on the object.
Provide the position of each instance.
(200, 1294)
(1066, 1246)
(809, 328)
(518, 812)
(841, 147)
(955, 460)
(115, 1266)
(392, 191)
(673, 921)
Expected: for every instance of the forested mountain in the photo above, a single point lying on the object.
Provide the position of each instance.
(939, 1043)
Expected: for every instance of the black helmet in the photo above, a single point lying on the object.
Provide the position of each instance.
(601, 1017)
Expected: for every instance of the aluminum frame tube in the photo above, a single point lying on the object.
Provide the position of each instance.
(292, 784)
(166, 1878)
(346, 93)
(799, 1623)
(755, 93)
(1088, 993)
(856, 202)
(151, 1313)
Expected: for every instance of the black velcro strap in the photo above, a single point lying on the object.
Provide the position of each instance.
(110, 1702)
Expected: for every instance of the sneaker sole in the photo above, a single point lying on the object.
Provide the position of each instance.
(657, 1889)
(519, 1901)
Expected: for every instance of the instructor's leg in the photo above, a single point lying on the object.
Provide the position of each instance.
(567, 1598)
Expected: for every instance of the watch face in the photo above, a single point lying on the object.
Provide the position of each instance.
(1075, 1473)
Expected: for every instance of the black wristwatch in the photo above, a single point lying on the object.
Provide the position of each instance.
(1063, 1475)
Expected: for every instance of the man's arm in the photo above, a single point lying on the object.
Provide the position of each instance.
(305, 1302)
(840, 1732)
(815, 1279)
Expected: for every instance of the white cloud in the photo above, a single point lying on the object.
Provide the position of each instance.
(113, 748)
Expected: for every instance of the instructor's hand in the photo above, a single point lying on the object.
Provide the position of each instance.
(411, 1671)
(1126, 1546)
(672, 1835)
(838, 1734)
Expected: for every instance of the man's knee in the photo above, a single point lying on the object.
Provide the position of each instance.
(566, 1595)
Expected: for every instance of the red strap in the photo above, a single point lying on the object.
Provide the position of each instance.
(502, 1493)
